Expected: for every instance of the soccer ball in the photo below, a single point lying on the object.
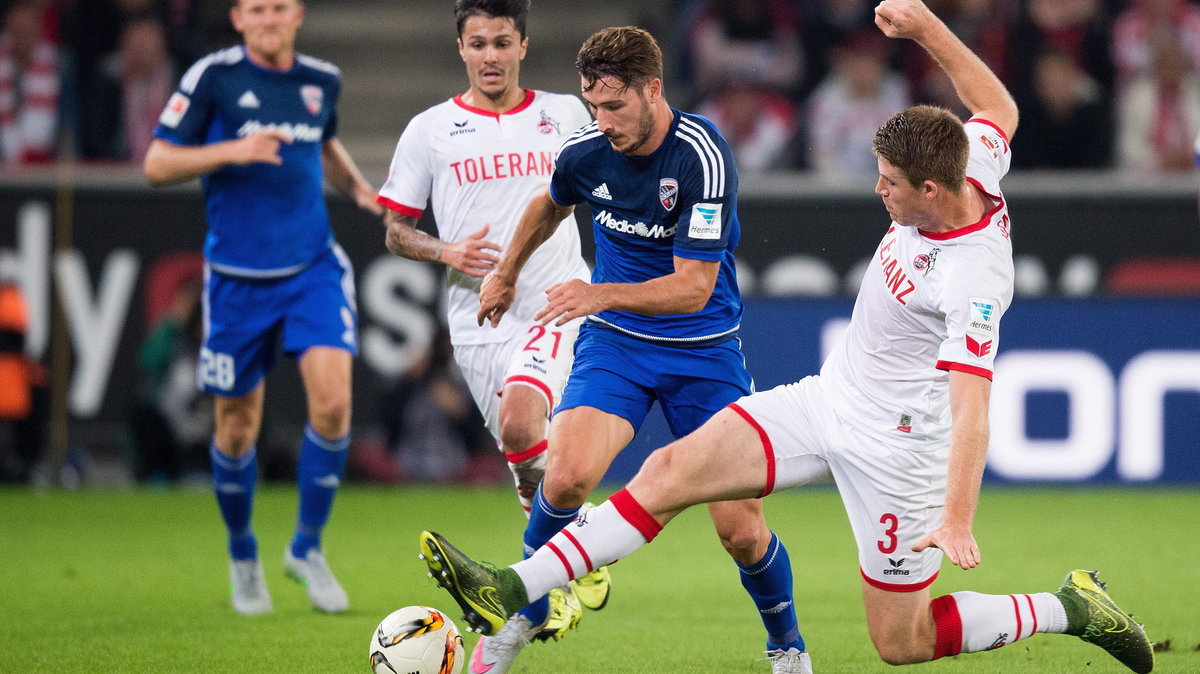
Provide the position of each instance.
(416, 640)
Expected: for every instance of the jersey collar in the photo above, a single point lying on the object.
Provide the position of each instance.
(528, 101)
(984, 222)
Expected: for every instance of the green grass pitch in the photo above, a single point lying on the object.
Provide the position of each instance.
(135, 581)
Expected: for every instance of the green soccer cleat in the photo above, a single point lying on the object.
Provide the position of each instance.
(1094, 617)
(564, 616)
(594, 588)
(488, 595)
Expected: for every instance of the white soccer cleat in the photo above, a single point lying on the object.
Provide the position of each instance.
(248, 587)
(495, 654)
(791, 661)
(313, 573)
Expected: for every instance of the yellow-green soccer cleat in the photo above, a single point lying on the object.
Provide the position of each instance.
(1094, 617)
(564, 616)
(594, 588)
(486, 594)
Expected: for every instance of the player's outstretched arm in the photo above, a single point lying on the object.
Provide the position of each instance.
(538, 223)
(684, 291)
(473, 256)
(167, 163)
(343, 174)
(976, 85)
(969, 394)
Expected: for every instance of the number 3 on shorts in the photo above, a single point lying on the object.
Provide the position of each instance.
(888, 545)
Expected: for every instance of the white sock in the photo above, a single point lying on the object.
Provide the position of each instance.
(989, 621)
(598, 537)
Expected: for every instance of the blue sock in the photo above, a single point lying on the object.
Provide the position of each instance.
(769, 582)
(233, 482)
(322, 462)
(544, 521)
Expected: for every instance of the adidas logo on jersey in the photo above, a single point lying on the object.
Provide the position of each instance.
(249, 100)
(602, 192)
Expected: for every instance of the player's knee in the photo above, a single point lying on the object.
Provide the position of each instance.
(330, 415)
(743, 544)
(566, 491)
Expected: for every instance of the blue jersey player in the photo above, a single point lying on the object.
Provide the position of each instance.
(663, 307)
(257, 123)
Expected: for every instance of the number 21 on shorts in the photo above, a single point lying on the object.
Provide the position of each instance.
(540, 331)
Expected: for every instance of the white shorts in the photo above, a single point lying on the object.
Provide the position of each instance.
(534, 356)
(893, 491)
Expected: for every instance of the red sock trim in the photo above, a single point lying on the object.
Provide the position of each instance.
(1032, 614)
(636, 515)
(1016, 610)
(527, 454)
(562, 558)
(949, 627)
(587, 561)
(768, 449)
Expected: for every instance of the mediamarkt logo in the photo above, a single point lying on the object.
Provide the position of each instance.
(294, 132)
(640, 228)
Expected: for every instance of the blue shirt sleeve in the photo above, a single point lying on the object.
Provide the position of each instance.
(562, 191)
(331, 125)
(188, 115)
(708, 224)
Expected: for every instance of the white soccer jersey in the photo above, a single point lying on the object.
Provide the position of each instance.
(934, 303)
(480, 167)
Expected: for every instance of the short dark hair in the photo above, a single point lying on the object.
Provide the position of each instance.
(627, 53)
(926, 143)
(516, 10)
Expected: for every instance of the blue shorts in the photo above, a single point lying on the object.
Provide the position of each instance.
(621, 375)
(245, 319)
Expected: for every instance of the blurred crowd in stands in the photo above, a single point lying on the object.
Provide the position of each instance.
(792, 83)
(89, 78)
(1100, 83)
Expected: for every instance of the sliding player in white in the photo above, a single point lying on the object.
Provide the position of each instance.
(897, 417)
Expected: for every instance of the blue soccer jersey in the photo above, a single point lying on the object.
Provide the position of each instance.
(263, 220)
(680, 200)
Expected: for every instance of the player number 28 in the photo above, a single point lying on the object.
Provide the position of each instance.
(216, 369)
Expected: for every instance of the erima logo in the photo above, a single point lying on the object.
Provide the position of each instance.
(461, 128)
(293, 132)
(896, 570)
(249, 100)
(606, 219)
(602, 192)
(978, 347)
(705, 222)
(778, 608)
